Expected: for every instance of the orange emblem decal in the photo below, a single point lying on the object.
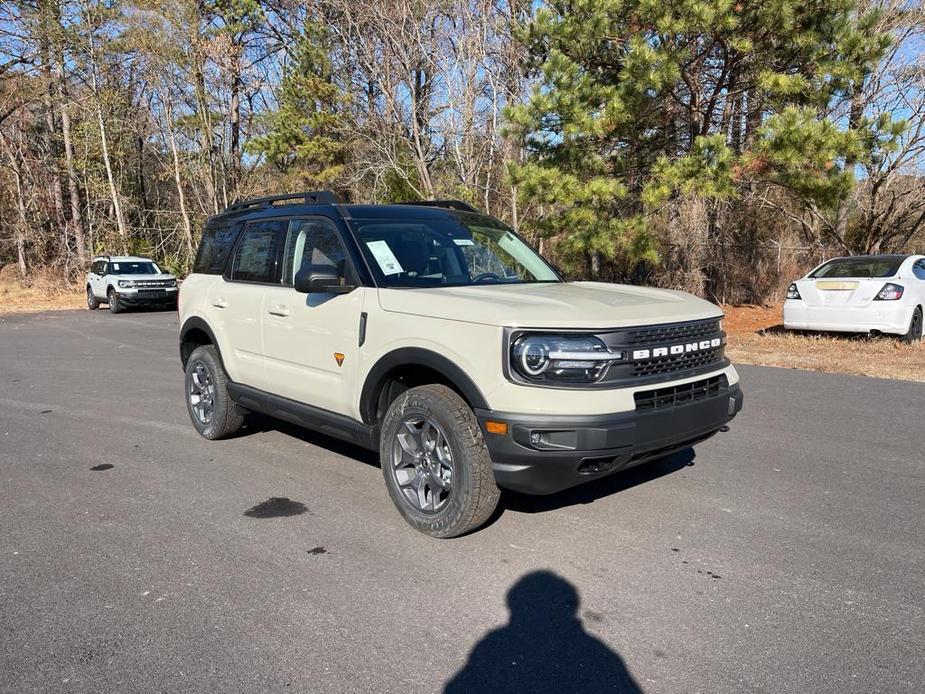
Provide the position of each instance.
(339, 358)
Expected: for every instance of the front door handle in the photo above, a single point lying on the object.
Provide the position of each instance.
(220, 303)
(280, 311)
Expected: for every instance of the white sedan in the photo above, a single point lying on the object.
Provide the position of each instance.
(862, 294)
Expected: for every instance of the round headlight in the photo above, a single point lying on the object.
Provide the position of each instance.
(532, 355)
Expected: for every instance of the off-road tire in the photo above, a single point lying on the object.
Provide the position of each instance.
(92, 302)
(914, 333)
(474, 494)
(113, 299)
(227, 415)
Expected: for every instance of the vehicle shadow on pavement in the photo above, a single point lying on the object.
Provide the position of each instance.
(543, 648)
(596, 489)
(257, 422)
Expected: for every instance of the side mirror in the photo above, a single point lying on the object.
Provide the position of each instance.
(320, 279)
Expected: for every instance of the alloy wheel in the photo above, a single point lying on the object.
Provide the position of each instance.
(422, 463)
(202, 393)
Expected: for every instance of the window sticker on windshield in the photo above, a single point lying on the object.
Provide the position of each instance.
(115, 266)
(464, 242)
(384, 256)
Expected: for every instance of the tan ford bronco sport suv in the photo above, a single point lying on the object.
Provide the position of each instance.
(437, 336)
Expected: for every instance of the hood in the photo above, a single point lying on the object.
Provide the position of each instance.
(558, 305)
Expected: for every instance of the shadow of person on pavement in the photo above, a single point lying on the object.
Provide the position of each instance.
(544, 647)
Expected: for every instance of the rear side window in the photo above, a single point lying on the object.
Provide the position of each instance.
(214, 248)
(255, 256)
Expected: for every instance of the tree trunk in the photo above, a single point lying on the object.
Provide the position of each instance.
(20, 238)
(840, 228)
(50, 19)
(110, 178)
(205, 123)
(235, 123)
(72, 185)
(104, 140)
(187, 226)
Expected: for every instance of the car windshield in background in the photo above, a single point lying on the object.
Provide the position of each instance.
(859, 267)
(129, 268)
(466, 250)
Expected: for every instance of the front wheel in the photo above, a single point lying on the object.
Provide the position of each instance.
(435, 462)
(915, 327)
(113, 300)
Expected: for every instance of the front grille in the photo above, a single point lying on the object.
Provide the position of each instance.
(676, 362)
(672, 396)
(678, 332)
(153, 283)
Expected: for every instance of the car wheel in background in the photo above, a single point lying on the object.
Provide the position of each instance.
(435, 462)
(915, 327)
(92, 303)
(113, 299)
(211, 409)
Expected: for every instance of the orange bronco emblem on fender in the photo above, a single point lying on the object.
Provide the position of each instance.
(339, 358)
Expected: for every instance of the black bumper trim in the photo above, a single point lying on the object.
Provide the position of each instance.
(135, 300)
(579, 448)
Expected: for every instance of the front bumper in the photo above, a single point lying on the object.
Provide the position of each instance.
(574, 449)
(149, 297)
(885, 316)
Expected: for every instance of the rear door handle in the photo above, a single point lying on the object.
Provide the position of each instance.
(220, 303)
(280, 311)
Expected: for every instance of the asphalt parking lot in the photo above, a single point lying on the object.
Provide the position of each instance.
(787, 555)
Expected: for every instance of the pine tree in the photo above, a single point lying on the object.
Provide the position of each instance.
(304, 136)
(639, 101)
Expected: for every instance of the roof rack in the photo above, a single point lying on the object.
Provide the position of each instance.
(447, 204)
(311, 197)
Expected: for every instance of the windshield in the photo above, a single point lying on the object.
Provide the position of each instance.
(859, 267)
(464, 250)
(145, 267)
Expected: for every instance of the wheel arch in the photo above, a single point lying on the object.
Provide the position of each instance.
(408, 367)
(195, 333)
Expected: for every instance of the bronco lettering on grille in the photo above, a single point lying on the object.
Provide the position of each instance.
(676, 349)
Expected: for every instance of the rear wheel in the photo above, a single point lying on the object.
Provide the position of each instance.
(915, 327)
(113, 299)
(92, 302)
(435, 462)
(211, 409)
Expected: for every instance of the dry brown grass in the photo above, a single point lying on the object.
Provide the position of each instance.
(757, 337)
(46, 290)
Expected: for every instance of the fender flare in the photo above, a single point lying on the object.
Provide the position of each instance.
(405, 356)
(197, 323)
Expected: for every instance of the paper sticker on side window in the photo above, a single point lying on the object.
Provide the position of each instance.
(464, 242)
(384, 256)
